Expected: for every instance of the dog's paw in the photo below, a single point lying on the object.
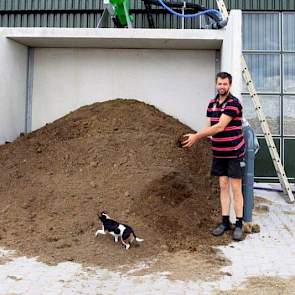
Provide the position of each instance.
(127, 246)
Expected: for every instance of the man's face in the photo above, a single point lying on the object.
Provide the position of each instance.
(222, 86)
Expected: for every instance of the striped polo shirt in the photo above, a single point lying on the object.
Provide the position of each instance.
(230, 142)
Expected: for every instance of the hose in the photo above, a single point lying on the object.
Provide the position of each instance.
(208, 11)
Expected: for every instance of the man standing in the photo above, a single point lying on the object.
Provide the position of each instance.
(225, 128)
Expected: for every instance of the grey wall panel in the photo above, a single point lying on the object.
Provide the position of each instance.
(83, 20)
(260, 4)
(138, 4)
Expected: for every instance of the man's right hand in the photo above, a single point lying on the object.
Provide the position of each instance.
(191, 139)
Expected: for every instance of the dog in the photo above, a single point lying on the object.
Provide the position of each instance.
(117, 230)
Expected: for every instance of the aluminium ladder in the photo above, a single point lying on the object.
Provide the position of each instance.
(266, 131)
(262, 119)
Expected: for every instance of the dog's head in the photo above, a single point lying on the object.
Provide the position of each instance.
(103, 216)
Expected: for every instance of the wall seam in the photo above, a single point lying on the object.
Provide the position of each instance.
(29, 92)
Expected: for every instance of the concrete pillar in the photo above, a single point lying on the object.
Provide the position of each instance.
(231, 52)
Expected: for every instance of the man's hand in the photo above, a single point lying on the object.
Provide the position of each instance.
(191, 139)
(207, 131)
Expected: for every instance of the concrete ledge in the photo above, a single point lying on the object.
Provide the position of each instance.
(116, 38)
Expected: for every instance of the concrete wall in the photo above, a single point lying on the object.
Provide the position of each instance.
(231, 50)
(178, 82)
(13, 73)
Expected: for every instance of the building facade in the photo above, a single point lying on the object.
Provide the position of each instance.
(268, 46)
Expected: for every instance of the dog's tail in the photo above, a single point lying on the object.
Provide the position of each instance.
(136, 238)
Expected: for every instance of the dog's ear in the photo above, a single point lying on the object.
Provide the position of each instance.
(102, 215)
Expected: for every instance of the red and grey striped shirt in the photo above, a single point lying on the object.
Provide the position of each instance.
(230, 142)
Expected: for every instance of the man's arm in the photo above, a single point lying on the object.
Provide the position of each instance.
(207, 131)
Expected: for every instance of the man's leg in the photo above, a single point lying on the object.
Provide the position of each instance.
(224, 195)
(236, 185)
(225, 203)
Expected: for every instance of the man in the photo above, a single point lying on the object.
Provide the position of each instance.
(225, 128)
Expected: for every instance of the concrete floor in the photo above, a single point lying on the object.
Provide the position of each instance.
(269, 253)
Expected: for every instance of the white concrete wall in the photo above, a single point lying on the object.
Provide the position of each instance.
(231, 50)
(173, 70)
(13, 73)
(178, 82)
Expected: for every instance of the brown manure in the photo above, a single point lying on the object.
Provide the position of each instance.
(121, 156)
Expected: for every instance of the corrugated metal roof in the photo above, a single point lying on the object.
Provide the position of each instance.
(86, 13)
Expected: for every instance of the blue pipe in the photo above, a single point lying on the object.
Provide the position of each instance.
(191, 15)
(248, 175)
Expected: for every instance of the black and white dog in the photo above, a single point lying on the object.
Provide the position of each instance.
(117, 230)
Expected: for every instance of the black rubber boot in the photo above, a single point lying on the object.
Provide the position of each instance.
(238, 234)
(220, 229)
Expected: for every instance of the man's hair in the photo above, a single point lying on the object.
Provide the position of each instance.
(224, 75)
